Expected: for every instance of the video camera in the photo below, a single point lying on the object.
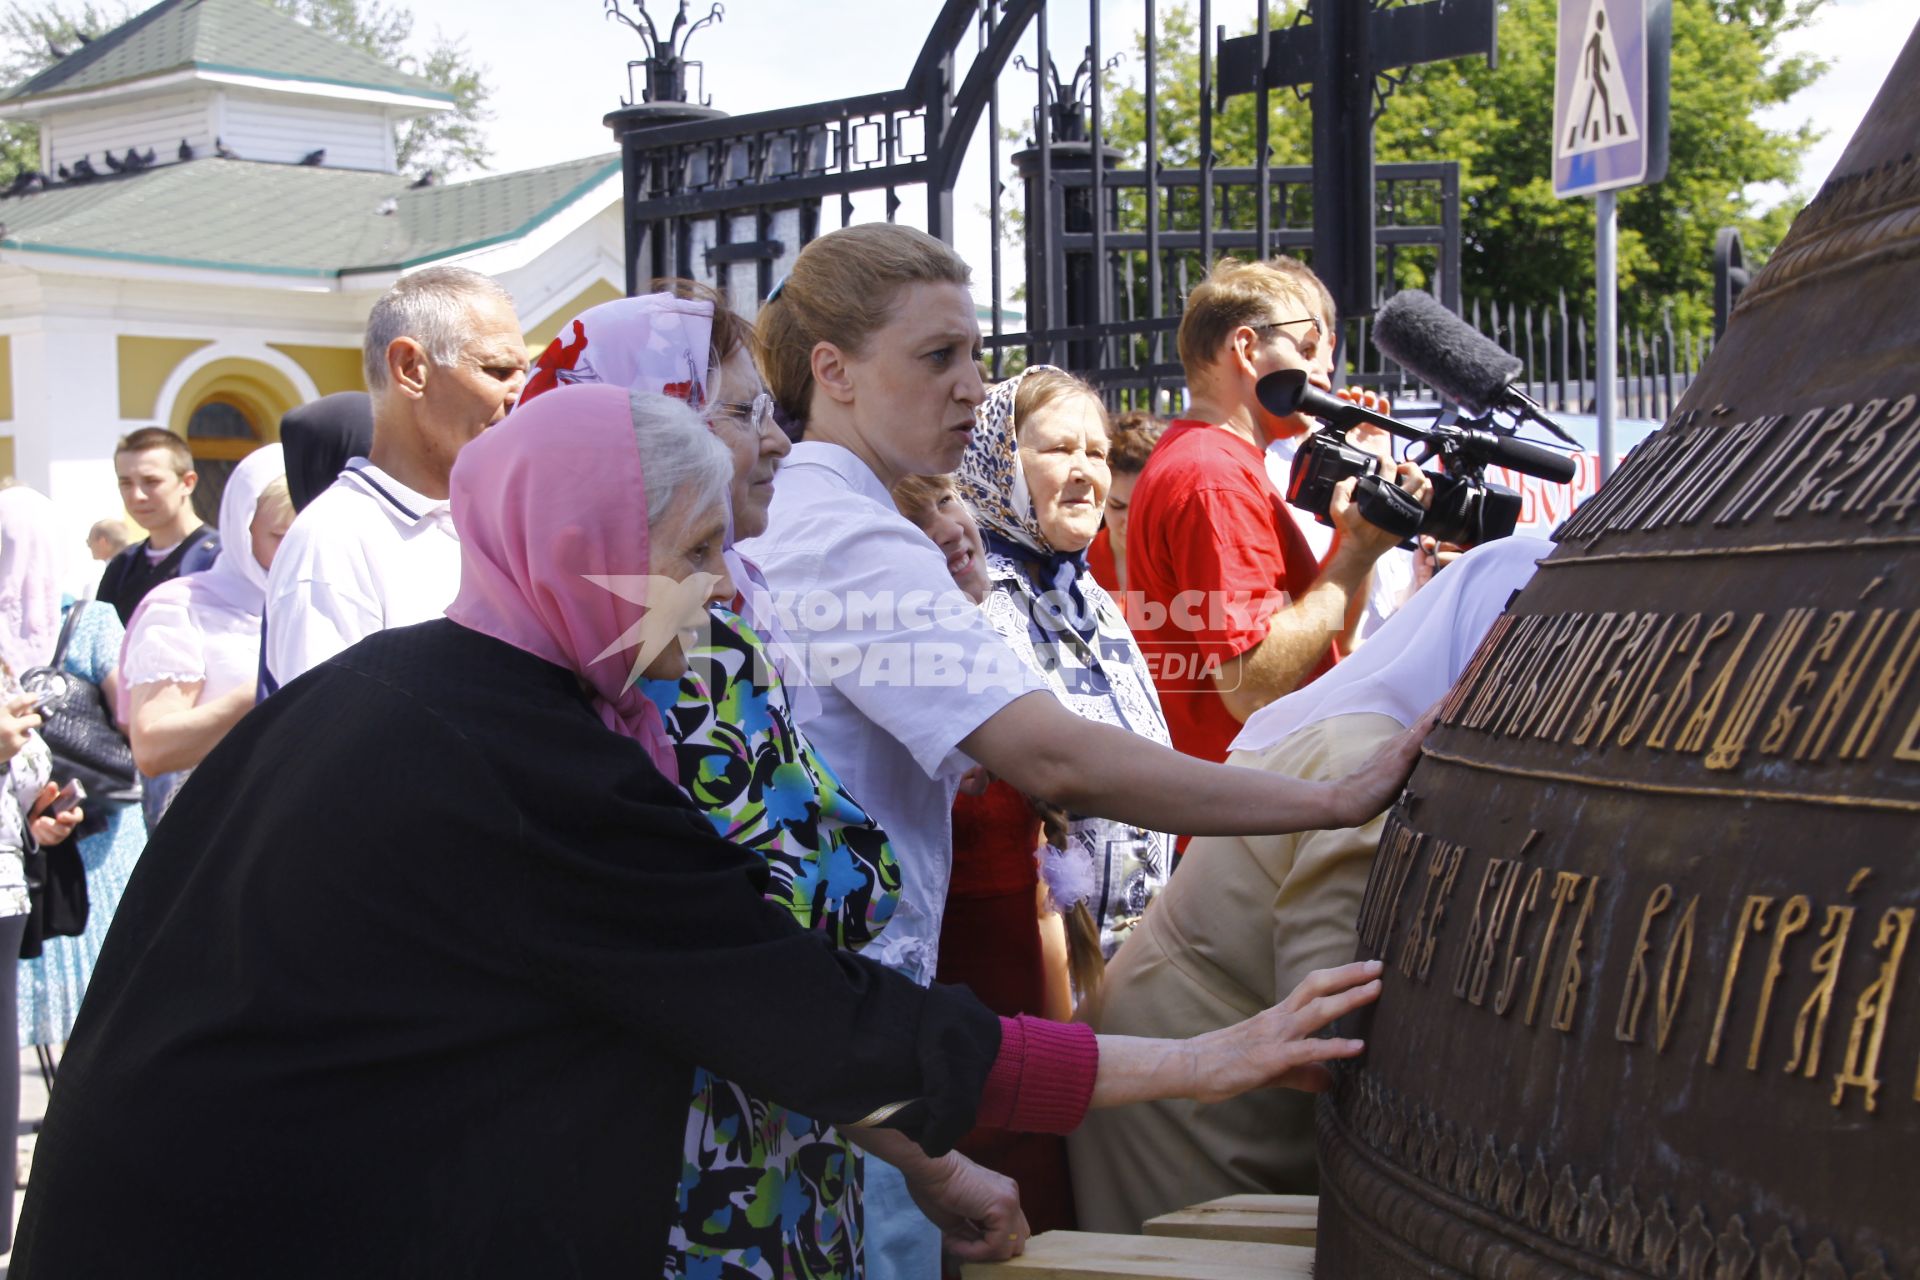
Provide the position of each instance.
(1466, 509)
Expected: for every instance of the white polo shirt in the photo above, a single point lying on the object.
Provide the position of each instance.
(367, 554)
(905, 665)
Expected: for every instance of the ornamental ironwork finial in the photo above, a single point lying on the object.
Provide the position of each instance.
(666, 60)
(1069, 102)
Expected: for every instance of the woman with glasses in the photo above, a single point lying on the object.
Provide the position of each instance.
(763, 1191)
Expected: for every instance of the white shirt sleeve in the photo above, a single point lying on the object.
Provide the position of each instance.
(312, 622)
(164, 647)
(879, 619)
(313, 607)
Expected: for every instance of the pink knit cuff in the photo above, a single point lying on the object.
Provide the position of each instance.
(1042, 1080)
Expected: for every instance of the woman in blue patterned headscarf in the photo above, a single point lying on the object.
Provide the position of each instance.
(1036, 477)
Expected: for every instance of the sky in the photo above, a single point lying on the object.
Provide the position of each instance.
(556, 76)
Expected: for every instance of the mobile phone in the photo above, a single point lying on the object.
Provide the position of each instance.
(69, 796)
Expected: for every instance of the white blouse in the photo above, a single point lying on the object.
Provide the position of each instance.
(905, 664)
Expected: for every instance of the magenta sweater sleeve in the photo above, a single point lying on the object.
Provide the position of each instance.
(1042, 1080)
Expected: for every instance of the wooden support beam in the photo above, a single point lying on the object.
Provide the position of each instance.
(1087, 1255)
(1255, 1219)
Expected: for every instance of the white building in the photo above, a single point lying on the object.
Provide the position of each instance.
(229, 279)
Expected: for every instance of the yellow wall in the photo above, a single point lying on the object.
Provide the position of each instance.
(260, 391)
(6, 457)
(145, 366)
(6, 391)
(331, 368)
(592, 296)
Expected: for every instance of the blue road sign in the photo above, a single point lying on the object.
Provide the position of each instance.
(1610, 95)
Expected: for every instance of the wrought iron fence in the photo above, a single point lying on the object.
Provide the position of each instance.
(731, 200)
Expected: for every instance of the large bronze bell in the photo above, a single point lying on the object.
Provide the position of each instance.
(1653, 990)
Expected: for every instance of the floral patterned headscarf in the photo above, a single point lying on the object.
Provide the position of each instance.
(994, 484)
(991, 478)
(657, 343)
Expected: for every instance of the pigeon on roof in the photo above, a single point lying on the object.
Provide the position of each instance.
(186, 150)
(314, 157)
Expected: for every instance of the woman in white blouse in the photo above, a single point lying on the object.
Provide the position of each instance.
(872, 345)
(192, 659)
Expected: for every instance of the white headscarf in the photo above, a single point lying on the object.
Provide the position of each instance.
(29, 578)
(1417, 655)
(205, 627)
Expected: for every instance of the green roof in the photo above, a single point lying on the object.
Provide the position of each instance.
(291, 220)
(245, 37)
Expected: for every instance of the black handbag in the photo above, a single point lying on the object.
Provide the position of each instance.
(79, 729)
(56, 893)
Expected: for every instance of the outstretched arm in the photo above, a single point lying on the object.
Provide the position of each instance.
(1046, 750)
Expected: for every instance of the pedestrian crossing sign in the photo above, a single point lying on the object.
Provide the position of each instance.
(1610, 100)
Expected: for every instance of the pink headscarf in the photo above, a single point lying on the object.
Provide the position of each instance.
(546, 502)
(29, 578)
(663, 344)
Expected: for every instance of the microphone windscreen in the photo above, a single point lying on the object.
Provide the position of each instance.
(1443, 351)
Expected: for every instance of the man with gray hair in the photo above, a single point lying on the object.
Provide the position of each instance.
(445, 359)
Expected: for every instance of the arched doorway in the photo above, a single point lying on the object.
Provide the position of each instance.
(220, 434)
(226, 410)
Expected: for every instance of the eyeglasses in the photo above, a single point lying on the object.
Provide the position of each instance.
(755, 413)
(1305, 347)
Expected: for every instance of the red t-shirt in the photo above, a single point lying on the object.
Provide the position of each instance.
(1212, 554)
(1100, 562)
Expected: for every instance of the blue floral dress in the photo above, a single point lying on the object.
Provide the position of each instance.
(52, 983)
(765, 1192)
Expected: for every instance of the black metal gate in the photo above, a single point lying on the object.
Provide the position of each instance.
(731, 200)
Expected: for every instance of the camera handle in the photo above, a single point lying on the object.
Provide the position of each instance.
(1386, 505)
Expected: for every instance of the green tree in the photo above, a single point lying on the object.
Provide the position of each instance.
(1520, 245)
(33, 37)
(30, 41)
(450, 141)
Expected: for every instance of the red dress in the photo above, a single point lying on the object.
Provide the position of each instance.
(1101, 564)
(990, 943)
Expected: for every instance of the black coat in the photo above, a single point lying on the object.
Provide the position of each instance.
(412, 981)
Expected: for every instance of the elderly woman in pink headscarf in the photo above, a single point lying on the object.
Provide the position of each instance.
(763, 1191)
(430, 1003)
